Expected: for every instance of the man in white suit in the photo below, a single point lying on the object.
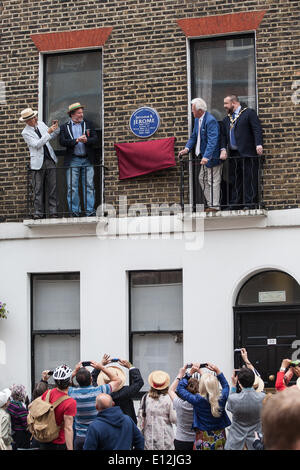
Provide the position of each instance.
(42, 161)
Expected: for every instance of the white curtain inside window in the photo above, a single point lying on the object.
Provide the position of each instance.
(221, 67)
(56, 304)
(157, 352)
(51, 351)
(156, 307)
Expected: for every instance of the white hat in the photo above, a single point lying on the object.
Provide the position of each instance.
(26, 114)
(259, 384)
(4, 396)
(103, 379)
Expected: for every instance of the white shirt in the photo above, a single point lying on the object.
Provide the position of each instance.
(197, 151)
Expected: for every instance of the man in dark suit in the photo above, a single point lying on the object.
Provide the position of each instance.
(79, 137)
(205, 140)
(241, 139)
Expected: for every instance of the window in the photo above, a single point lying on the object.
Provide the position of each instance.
(72, 77)
(69, 78)
(221, 67)
(270, 287)
(55, 321)
(156, 322)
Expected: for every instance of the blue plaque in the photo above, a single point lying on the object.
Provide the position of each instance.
(144, 122)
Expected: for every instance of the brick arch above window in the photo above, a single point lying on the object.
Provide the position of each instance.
(67, 40)
(221, 24)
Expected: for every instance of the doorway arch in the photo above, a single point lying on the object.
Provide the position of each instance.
(267, 321)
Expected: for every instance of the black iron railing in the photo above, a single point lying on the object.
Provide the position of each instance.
(66, 191)
(234, 184)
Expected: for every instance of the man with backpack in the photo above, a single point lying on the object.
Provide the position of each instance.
(52, 425)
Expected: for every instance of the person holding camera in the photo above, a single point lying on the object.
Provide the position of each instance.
(125, 395)
(156, 414)
(185, 435)
(42, 160)
(85, 395)
(286, 372)
(210, 417)
(246, 410)
(258, 382)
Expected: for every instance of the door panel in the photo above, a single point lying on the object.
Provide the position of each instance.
(267, 334)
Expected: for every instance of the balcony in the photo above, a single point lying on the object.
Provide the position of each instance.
(235, 189)
(76, 193)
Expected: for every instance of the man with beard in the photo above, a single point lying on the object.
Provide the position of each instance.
(242, 141)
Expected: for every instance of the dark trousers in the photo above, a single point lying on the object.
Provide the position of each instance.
(183, 445)
(51, 446)
(243, 180)
(21, 440)
(79, 443)
(44, 180)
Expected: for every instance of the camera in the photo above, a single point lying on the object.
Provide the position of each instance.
(86, 363)
(204, 364)
(292, 364)
(116, 359)
(50, 372)
(237, 350)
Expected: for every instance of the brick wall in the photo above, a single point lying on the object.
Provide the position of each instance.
(144, 63)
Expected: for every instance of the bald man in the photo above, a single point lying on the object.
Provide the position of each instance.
(112, 429)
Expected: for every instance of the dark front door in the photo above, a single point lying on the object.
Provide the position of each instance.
(268, 334)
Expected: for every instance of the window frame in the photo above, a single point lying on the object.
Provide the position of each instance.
(33, 333)
(41, 106)
(42, 93)
(147, 332)
(189, 65)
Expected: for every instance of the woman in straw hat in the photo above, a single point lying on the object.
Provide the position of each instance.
(156, 414)
(210, 417)
(5, 422)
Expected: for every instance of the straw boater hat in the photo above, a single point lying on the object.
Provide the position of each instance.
(26, 114)
(159, 380)
(259, 384)
(103, 379)
(73, 107)
(4, 396)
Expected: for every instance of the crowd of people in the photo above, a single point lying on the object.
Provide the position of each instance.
(94, 409)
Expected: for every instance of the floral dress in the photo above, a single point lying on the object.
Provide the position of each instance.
(158, 423)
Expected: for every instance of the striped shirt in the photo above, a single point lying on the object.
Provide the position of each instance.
(18, 414)
(86, 405)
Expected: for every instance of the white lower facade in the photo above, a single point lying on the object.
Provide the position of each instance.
(214, 263)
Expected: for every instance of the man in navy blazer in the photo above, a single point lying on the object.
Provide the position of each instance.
(79, 137)
(205, 138)
(241, 139)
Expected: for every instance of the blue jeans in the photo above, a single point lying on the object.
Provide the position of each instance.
(80, 167)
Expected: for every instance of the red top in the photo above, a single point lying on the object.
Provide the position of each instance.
(67, 407)
(280, 385)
